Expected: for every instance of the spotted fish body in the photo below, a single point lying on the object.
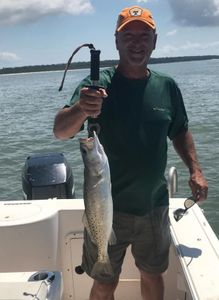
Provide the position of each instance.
(98, 214)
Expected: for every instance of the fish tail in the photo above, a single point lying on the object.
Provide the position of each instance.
(102, 268)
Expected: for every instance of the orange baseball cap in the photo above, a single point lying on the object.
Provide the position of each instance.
(135, 13)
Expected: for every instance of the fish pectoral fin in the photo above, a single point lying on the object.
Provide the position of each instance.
(112, 238)
(86, 225)
(84, 220)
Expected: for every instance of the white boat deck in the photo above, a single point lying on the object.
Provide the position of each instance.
(48, 235)
(198, 250)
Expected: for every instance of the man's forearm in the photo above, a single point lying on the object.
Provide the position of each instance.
(68, 122)
(184, 145)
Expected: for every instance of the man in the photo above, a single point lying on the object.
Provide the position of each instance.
(137, 110)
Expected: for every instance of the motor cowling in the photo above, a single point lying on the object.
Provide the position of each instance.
(47, 176)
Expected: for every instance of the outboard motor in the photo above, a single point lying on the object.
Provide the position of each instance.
(47, 176)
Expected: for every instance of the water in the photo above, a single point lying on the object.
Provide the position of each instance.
(29, 103)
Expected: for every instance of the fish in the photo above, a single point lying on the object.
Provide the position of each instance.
(98, 215)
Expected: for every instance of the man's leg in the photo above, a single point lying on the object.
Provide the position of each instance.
(151, 251)
(103, 291)
(152, 286)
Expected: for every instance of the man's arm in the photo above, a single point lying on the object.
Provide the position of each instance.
(184, 146)
(68, 121)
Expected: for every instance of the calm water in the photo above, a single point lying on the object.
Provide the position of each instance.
(29, 103)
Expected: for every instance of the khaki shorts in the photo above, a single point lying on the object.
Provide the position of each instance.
(149, 237)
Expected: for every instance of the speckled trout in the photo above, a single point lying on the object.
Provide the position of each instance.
(98, 203)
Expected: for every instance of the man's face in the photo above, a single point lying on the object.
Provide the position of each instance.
(135, 43)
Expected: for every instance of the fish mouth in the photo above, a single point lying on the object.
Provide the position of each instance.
(87, 143)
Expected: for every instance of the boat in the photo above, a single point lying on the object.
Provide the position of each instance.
(41, 243)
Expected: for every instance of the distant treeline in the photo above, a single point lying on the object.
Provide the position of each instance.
(104, 63)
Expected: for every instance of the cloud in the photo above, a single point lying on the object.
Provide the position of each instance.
(195, 12)
(23, 11)
(145, 1)
(170, 49)
(140, 1)
(8, 57)
(171, 33)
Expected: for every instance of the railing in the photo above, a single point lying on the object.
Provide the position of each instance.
(172, 181)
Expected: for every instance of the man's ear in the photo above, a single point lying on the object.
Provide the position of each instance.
(155, 40)
(116, 40)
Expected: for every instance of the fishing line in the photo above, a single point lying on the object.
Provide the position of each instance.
(90, 46)
(93, 125)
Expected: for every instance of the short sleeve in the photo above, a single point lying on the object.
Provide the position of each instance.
(76, 94)
(179, 116)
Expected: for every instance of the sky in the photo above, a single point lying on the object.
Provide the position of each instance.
(39, 32)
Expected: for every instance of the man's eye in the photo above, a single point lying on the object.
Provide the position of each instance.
(128, 35)
(127, 38)
(146, 36)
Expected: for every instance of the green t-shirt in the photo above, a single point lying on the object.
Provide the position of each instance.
(136, 119)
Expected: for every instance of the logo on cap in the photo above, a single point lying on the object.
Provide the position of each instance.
(135, 12)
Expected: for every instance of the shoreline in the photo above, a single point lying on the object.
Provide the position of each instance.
(103, 64)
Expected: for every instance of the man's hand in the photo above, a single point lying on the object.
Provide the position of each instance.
(91, 100)
(199, 186)
(69, 120)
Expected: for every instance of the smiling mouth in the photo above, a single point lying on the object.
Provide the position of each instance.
(136, 52)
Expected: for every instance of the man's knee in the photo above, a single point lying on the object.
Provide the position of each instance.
(103, 290)
(150, 277)
(105, 285)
